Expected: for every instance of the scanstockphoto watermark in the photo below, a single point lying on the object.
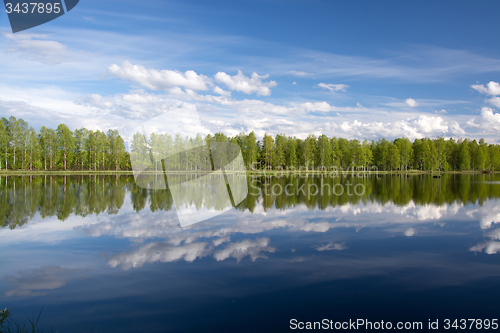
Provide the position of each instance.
(309, 189)
(360, 171)
(326, 186)
(360, 324)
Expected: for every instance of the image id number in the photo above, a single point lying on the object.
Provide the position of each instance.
(33, 7)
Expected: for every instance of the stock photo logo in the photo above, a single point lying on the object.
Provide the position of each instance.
(25, 15)
(169, 153)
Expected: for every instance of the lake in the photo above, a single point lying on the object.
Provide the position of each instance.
(101, 253)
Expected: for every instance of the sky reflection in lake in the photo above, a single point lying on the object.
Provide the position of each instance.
(130, 266)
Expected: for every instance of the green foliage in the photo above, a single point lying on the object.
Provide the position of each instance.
(464, 156)
(21, 148)
(279, 151)
(324, 152)
(65, 146)
(309, 149)
(291, 153)
(267, 151)
(4, 144)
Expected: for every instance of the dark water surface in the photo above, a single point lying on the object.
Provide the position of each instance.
(101, 252)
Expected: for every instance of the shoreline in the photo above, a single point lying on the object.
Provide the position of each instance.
(248, 172)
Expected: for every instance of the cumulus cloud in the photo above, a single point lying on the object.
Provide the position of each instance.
(183, 117)
(490, 218)
(331, 246)
(488, 247)
(411, 102)
(246, 85)
(430, 125)
(159, 252)
(317, 106)
(412, 128)
(492, 88)
(275, 118)
(158, 79)
(239, 250)
(489, 122)
(410, 232)
(333, 87)
(495, 101)
(122, 111)
(218, 90)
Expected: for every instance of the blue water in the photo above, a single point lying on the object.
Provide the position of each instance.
(254, 271)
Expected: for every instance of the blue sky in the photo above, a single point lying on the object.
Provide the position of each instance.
(359, 69)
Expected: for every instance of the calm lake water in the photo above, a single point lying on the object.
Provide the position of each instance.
(101, 252)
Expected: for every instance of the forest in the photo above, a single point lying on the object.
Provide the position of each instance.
(22, 148)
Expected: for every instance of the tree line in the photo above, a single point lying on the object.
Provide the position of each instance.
(22, 148)
(283, 152)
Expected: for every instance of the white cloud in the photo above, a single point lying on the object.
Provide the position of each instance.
(430, 125)
(333, 87)
(36, 282)
(489, 219)
(411, 102)
(489, 122)
(488, 247)
(218, 90)
(221, 113)
(221, 240)
(492, 88)
(495, 101)
(331, 246)
(158, 79)
(412, 128)
(36, 47)
(247, 85)
(245, 248)
(276, 118)
(410, 232)
(317, 106)
(299, 73)
(159, 252)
